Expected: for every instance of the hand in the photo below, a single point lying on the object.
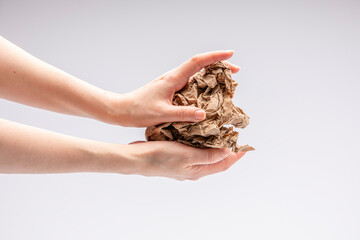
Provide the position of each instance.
(152, 104)
(32, 150)
(180, 162)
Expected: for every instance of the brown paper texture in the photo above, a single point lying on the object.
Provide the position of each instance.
(212, 90)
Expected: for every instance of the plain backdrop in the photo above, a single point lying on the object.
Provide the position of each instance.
(299, 83)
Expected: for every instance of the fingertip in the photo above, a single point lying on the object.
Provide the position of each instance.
(199, 115)
(240, 154)
(229, 53)
(221, 55)
(235, 69)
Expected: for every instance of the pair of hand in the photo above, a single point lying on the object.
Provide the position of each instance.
(152, 105)
(28, 80)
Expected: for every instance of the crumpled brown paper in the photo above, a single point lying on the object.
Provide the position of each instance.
(211, 90)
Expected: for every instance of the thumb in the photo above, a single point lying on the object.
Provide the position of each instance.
(185, 114)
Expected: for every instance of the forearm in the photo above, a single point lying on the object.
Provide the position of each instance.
(25, 149)
(28, 80)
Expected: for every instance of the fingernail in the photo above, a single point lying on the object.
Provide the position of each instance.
(230, 51)
(200, 114)
(226, 152)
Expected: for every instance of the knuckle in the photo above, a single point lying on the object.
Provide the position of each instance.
(170, 76)
(197, 170)
(165, 75)
(180, 179)
(181, 114)
(210, 156)
(194, 178)
(196, 60)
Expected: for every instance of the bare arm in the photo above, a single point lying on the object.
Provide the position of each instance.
(28, 80)
(25, 149)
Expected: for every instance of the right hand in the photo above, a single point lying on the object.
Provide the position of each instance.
(180, 162)
(152, 104)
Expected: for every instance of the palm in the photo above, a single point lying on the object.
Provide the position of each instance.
(152, 104)
(183, 162)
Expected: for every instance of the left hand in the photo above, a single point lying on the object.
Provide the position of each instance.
(152, 104)
(175, 160)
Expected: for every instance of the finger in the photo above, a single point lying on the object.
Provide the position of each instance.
(136, 142)
(221, 165)
(234, 68)
(209, 156)
(195, 64)
(184, 114)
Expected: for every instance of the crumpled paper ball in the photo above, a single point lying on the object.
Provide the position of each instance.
(212, 90)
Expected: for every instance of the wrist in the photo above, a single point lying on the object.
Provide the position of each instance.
(117, 158)
(115, 110)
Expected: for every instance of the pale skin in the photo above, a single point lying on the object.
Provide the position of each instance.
(24, 149)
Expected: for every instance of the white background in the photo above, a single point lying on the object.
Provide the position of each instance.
(299, 83)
